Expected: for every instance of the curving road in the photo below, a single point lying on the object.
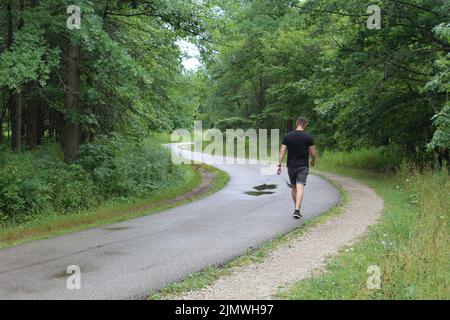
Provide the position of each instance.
(129, 259)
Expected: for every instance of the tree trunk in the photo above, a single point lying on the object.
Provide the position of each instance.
(15, 103)
(70, 138)
(289, 125)
(1, 129)
(3, 113)
(32, 118)
(14, 107)
(55, 124)
(8, 123)
(40, 123)
(32, 114)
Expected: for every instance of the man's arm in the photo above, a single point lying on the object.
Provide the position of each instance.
(280, 158)
(313, 154)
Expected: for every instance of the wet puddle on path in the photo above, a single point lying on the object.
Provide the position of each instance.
(260, 190)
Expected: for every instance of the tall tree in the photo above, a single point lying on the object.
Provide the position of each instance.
(361, 87)
(14, 104)
(119, 73)
(71, 129)
(33, 111)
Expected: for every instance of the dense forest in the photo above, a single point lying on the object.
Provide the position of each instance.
(360, 87)
(77, 104)
(120, 72)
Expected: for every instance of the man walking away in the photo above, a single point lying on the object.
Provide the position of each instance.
(300, 146)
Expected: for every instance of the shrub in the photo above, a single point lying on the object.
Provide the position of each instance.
(40, 182)
(127, 169)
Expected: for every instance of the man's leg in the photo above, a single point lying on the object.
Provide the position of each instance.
(294, 193)
(299, 195)
(302, 176)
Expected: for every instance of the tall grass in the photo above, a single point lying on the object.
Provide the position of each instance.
(426, 257)
(410, 243)
(381, 159)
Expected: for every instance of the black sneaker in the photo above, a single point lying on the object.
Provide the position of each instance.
(297, 214)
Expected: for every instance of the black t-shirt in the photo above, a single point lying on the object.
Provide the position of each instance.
(298, 143)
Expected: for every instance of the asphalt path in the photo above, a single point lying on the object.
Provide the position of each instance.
(129, 259)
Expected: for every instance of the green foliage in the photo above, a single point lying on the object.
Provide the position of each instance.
(131, 83)
(380, 159)
(29, 60)
(441, 137)
(359, 87)
(127, 169)
(131, 77)
(40, 182)
(441, 84)
(233, 123)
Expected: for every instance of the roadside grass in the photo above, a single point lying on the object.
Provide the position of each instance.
(208, 276)
(410, 243)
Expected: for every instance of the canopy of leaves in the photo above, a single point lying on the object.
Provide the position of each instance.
(274, 61)
(130, 66)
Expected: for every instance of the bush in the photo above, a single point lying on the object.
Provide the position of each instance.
(125, 169)
(40, 182)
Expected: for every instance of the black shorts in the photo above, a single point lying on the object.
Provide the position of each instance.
(298, 175)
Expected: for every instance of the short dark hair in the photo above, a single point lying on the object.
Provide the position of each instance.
(302, 121)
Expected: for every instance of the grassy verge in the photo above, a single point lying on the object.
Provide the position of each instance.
(208, 276)
(410, 244)
(50, 226)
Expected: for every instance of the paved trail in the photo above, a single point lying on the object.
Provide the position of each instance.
(126, 260)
